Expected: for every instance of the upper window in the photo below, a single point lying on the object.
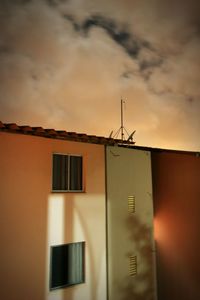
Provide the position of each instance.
(67, 173)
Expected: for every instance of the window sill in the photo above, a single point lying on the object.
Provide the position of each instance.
(65, 191)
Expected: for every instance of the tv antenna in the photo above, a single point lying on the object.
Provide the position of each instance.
(125, 136)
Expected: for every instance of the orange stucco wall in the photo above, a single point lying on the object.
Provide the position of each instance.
(176, 189)
(32, 218)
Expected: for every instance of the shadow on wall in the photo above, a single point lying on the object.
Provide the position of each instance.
(141, 285)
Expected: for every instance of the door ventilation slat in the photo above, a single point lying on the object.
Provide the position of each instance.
(132, 265)
(131, 204)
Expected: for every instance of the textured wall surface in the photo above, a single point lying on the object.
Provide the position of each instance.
(32, 218)
(177, 205)
(130, 234)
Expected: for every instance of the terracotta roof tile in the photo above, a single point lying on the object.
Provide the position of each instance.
(59, 134)
(2, 125)
(62, 132)
(38, 130)
(83, 135)
(51, 132)
(12, 126)
(26, 128)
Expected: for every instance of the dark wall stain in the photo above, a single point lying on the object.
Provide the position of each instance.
(140, 286)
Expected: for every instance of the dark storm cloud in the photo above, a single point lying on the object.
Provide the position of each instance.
(56, 2)
(148, 66)
(189, 10)
(4, 49)
(71, 19)
(130, 43)
(145, 65)
(127, 40)
(11, 2)
(127, 74)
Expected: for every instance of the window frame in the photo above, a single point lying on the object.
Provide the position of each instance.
(67, 190)
(66, 285)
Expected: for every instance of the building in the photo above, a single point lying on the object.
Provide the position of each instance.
(77, 217)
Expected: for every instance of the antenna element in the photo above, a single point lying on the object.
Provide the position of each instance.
(122, 129)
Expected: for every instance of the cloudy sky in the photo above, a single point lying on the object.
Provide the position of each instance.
(65, 64)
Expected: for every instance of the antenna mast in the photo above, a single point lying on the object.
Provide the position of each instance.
(122, 120)
(122, 129)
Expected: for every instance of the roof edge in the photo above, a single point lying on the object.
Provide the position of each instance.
(61, 134)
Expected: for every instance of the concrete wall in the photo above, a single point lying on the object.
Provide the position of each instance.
(129, 174)
(32, 218)
(176, 185)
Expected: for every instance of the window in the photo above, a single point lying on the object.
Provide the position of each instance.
(67, 265)
(67, 173)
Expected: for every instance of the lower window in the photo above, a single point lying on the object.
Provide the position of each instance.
(67, 265)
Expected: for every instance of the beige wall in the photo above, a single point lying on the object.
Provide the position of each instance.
(32, 218)
(129, 174)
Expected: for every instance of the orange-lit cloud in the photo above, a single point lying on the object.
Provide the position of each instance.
(66, 64)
